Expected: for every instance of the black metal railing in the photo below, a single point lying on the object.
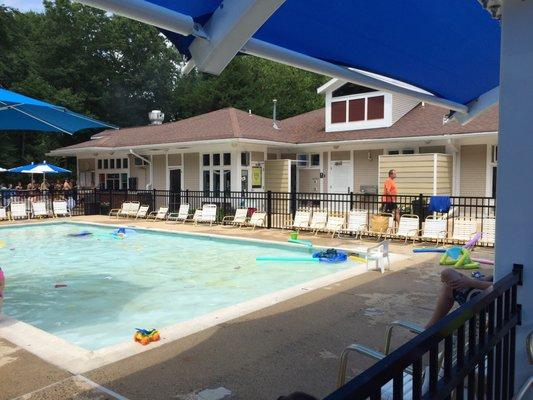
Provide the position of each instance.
(476, 344)
(279, 206)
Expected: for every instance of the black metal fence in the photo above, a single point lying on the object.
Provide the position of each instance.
(279, 206)
(476, 344)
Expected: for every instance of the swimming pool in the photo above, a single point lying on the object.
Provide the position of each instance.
(149, 279)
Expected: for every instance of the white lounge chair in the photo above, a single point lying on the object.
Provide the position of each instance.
(319, 220)
(60, 208)
(159, 215)
(195, 217)
(408, 227)
(3, 214)
(463, 229)
(208, 215)
(301, 221)
(257, 219)
(489, 231)
(357, 223)
(131, 210)
(434, 229)
(115, 212)
(39, 209)
(237, 220)
(142, 212)
(18, 211)
(334, 225)
(181, 215)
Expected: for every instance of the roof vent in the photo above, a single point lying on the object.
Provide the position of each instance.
(156, 117)
(274, 115)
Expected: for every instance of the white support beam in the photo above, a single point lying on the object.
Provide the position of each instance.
(150, 14)
(229, 28)
(514, 226)
(477, 106)
(284, 56)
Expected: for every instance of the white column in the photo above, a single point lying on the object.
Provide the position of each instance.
(514, 213)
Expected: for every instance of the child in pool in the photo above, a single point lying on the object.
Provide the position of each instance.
(2, 285)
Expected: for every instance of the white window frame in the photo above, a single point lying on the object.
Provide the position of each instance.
(386, 121)
(221, 167)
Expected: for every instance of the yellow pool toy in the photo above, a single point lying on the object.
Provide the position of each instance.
(358, 259)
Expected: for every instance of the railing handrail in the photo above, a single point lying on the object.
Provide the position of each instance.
(384, 370)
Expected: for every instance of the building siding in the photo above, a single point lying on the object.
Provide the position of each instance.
(444, 174)
(401, 105)
(174, 160)
(86, 164)
(340, 156)
(257, 156)
(473, 170)
(160, 172)
(325, 169)
(416, 173)
(191, 171)
(432, 149)
(309, 180)
(277, 175)
(365, 170)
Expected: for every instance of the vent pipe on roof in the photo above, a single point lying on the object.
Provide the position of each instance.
(274, 122)
(156, 117)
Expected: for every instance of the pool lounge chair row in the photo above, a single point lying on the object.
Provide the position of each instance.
(207, 214)
(382, 225)
(35, 209)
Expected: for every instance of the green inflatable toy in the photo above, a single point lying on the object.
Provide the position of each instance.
(459, 258)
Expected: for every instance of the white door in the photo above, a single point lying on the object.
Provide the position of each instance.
(340, 179)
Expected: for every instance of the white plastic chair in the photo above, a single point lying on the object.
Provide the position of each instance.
(378, 254)
(3, 214)
(18, 211)
(181, 215)
(60, 208)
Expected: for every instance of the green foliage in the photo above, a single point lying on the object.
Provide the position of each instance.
(117, 70)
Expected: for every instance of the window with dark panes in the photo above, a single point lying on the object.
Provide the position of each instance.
(206, 182)
(205, 159)
(245, 159)
(376, 107)
(216, 182)
(356, 110)
(99, 164)
(227, 159)
(124, 163)
(106, 164)
(338, 112)
(315, 160)
(112, 163)
(216, 159)
(119, 163)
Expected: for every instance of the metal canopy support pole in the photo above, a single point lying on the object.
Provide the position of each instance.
(229, 28)
(514, 229)
(150, 14)
(479, 105)
(284, 56)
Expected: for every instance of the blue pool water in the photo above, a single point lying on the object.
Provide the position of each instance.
(148, 279)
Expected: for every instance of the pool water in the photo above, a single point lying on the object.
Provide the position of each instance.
(149, 279)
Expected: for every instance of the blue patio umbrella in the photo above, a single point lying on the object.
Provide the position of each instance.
(23, 113)
(39, 168)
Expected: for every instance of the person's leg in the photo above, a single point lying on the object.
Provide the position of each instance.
(445, 300)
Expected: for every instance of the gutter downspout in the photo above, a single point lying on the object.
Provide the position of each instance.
(149, 162)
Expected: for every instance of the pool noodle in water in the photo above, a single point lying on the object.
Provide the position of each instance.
(286, 259)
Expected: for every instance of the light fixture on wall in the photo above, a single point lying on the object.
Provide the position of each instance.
(369, 155)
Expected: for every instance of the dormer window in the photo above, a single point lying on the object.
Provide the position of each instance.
(352, 107)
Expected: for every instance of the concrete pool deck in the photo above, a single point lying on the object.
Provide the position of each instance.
(292, 345)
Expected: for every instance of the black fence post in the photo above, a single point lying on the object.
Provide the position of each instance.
(187, 196)
(351, 202)
(223, 208)
(153, 198)
(269, 209)
(420, 210)
(292, 204)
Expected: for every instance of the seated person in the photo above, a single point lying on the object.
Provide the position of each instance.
(455, 288)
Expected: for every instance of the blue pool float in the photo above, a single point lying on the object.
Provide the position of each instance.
(429, 250)
(330, 256)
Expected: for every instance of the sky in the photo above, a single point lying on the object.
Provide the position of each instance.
(24, 5)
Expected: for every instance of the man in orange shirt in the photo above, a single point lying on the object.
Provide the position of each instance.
(389, 195)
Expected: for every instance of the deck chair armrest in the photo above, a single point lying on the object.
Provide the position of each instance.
(410, 326)
(367, 351)
(228, 217)
(152, 213)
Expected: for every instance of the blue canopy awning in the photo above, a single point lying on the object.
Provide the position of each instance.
(450, 49)
(23, 113)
